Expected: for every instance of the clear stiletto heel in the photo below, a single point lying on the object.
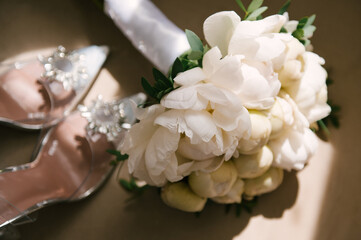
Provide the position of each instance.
(72, 161)
(37, 93)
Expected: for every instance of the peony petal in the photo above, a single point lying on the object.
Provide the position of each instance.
(255, 39)
(159, 151)
(318, 112)
(257, 91)
(294, 48)
(228, 118)
(291, 26)
(219, 27)
(141, 132)
(190, 77)
(140, 171)
(293, 148)
(212, 93)
(211, 61)
(135, 157)
(174, 121)
(228, 75)
(149, 112)
(218, 95)
(269, 48)
(171, 172)
(201, 151)
(271, 24)
(298, 121)
(208, 165)
(201, 123)
(264, 48)
(261, 104)
(310, 93)
(315, 75)
(181, 98)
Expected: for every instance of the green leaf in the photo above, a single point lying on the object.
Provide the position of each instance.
(188, 64)
(176, 68)
(147, 87)
(205, 49)
(254, 5)
(159, 77)
(323, 126)
(194, 41)
(240, 4)
(298, 33)
(131, 186)
(333, 118)
(329, 81)
(308, 31)
(119, 157)
(195, 55)
(284, 7)
(335, 108)
(302, 23)
(306, 21)
(311, 20)
(125, 184)
(305, 42)
(253, 16)
(113, 152)
(283, 30)
(335, 122)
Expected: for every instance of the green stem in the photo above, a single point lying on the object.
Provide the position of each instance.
(323, 127)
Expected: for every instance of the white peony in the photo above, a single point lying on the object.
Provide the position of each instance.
(310, 92)
(290, 68)
(293, 147)
(256, 40)
(256, 44)
(151, 149)
(196, 127)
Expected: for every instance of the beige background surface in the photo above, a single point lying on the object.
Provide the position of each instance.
(321, 202)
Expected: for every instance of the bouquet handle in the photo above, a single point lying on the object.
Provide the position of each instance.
(149, 30)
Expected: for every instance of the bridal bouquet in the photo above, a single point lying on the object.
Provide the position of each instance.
(232, 115)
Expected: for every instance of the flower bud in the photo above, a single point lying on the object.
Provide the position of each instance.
(276, 119)
(261, 130)
(264, 183)
(252, 166)
(213, 184)
(234, 195)
(178, 195)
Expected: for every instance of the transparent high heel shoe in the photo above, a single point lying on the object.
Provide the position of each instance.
(72, 161)
(38, 93)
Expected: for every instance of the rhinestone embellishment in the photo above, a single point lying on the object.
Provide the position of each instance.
(105, 118)
(69, 68)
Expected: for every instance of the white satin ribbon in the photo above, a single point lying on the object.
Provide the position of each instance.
(149, 30)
